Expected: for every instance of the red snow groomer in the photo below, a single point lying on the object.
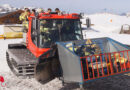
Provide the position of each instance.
(55, 48)
(38, 55)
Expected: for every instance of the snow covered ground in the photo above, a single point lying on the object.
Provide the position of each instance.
(17, 83)
(107, 25)
(106, 22)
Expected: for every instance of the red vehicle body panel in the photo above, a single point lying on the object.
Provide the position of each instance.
(31, 46)
(56, 16)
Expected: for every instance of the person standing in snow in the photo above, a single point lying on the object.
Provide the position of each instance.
(24, 18)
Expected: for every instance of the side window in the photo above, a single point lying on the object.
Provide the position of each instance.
(35, 31)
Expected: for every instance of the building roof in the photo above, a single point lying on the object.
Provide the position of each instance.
(10, 17)
(4, 14)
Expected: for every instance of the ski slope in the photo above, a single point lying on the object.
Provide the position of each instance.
(107, 25)
(106, 22)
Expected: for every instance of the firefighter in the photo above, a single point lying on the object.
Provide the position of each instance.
(44, 27)
(33, 13)
(24, 18)
(57, 10)
(87, 50)
(44, 30)
(40, 11)
(49, 10)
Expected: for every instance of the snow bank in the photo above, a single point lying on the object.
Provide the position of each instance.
(106, 22)
(3, 47)
(107, 25)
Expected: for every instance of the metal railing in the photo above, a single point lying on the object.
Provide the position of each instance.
(103, 65)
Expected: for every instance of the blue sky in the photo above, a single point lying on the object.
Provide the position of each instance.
(88, 6)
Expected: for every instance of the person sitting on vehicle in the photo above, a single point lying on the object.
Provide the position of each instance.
(24, 18)
(57, 10)
(44, 26)
(44, 30)
(33, 13)
(40, 11)
(49, 10)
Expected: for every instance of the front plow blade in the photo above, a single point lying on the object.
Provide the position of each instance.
(43, 72)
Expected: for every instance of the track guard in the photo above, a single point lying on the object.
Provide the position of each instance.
(48, 67)
(43, 72)
(16, 46)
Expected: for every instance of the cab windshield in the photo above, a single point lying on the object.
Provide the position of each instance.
(59, 30)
